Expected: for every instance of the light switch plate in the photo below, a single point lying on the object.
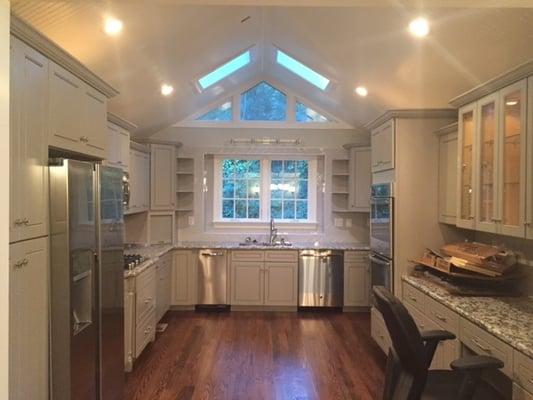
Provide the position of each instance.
(339, 223)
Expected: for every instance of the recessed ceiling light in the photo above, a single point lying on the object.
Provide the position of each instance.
(361, 91)
(419, 27)
(166, 90)
(113, 26)
(511, 103)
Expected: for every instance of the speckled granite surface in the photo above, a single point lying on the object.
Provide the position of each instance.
(153, 253)
(510, 319)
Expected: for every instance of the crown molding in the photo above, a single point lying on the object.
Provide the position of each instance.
(355, 145)
(139, 147)
(123, 123)
(149, 141)
(451, 128)
(421, 113)
(52, 51)
(507, 78)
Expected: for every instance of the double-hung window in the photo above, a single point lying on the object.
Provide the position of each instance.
(255, 189)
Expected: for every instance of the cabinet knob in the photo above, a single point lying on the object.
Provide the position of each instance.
(21, 263)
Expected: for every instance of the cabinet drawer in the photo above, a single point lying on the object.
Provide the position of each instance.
(482, 342)
(422, 321)
(523, 371)
(145, 293)
(281, 256)
(521, 394)
(442, 316)
(356, 256)
(247, 255)
(144, 333)
(414, 297)
(378, 331)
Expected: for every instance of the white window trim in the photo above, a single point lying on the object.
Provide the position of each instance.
(265, 198)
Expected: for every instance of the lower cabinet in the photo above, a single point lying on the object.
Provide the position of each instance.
(256, 282)
(28, 319)
(184, 278)
(163, 276)
(356, 279)
(378, 330)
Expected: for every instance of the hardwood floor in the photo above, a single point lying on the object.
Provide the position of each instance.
(260, 355)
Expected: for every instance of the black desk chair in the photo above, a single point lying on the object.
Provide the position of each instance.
(408, 376)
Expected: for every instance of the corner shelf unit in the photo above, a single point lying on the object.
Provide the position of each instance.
(340, 189)
(185, 184)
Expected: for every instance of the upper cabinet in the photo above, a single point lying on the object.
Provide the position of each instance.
(382, 142)
(163, 177)
(465, 167)
(118, 151)
(448, 174)
(529, 163)
(139, 171)
(78, 114)
(360, 179)
(28, 143)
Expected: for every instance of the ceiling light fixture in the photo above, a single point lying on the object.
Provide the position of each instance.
(166, 90)
(511, 103)
(361, 91)
(113, 26)
(419, 27)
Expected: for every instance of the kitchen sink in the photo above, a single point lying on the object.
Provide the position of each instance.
(264, 244)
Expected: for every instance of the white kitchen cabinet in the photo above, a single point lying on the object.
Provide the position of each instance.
(529, 162)
(281, 284)
(29, 320)
(28, 143)
(163, 274)
(145, 309)
(184, 278)
(466, 167)
(118, 150)
(360, 179)
(247, 283)
(448, 174)
(161, 227)
(163, 177)
(139, 172)
(356, 279)
(383, 147)
(77, 114)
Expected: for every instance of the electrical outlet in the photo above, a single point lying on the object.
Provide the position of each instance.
(348, 222)
(339, 223)
(190, 220)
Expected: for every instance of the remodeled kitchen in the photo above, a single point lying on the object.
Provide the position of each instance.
(245, 200)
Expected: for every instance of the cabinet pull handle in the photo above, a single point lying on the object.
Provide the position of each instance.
(147, 300)
(485, 349)
(147, 330)
(18, 222)
(443, 319)
(413, 298)
(21, 263)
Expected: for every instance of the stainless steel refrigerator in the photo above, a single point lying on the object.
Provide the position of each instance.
(87, 284)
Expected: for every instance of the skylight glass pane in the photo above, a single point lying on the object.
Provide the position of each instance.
(306, 114)
(303, 71)
(223, 112)
(225, 70)
(263, 102)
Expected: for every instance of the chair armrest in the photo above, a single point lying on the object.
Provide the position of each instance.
(436, 335)
(470, 363)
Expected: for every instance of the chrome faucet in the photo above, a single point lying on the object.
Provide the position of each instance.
(273, 232)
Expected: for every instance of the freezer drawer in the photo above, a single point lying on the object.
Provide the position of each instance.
(212, 277)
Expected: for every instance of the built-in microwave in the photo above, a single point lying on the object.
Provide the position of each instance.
(381, 220)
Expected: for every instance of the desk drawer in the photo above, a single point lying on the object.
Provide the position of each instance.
(289, 256)
(247, 255)
(378, 331)
(414, 297)
(444, 317)
(145, 293)
(144, 333)
(482, 342)
(523, 371)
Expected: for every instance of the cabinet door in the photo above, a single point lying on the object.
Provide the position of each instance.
(281, 284)
(360, 179)
(113, 147)
(247, 283)
(465, 167)
(163, 194)
(133, 184)
(123, 148)
(448, 178)
(94, 122)
(66, 109)
(145, 181)
(487, 160)
(161, 226)
(28, 320)
(29, 143)
(184, 271)
(512, 153)
(382, 139)
(529, 167)
(356, 284)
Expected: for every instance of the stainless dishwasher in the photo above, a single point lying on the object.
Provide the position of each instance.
(212, 278)
(321, 278)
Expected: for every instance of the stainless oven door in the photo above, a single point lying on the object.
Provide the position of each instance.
(381, 272)
(381, 229)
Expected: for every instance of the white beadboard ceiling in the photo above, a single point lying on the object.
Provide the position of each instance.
(352, 42)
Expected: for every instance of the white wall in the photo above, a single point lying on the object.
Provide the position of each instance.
(4, 199)
(326, 143)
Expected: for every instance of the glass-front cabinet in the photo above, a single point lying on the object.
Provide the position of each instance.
(465, 167)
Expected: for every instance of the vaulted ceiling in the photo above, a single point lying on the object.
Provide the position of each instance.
(175, 42)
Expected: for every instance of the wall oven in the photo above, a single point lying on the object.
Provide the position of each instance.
(382, 235)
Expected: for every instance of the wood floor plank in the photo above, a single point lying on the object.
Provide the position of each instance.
(260, 355)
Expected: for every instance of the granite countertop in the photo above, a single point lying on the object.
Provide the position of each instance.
(154, 252)
(510, 319)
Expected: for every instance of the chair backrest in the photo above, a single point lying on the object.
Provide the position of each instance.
(407, 369)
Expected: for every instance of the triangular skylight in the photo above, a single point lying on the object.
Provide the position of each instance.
(263, 102)
(225, 70)
(307, 114)
(223, 112)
